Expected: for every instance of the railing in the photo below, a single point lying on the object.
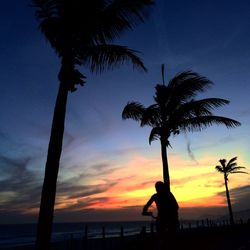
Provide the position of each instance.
(107, 242)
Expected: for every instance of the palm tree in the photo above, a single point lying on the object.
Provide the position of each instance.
(227, 168)
(81, 33)
(175, 110)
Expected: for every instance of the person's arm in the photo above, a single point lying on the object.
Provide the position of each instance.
(146, 207)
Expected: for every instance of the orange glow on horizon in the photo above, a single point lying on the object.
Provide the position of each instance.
(133, 184)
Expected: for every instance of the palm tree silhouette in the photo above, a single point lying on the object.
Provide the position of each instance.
(227, 168)
(175, 110)
(81, 33)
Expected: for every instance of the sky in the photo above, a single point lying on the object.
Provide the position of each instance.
(108, 169)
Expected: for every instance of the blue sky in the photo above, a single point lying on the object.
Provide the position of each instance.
(208, 37)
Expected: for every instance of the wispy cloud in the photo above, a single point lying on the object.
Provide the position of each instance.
(20, 187)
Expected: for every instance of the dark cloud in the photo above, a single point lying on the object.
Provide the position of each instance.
(16, 217)
(132, 213)
(87, 191)
(100, 169)
(19, 186)
(240, 197)
(196, 213)
(189, 150)
(20, 182)
(73, 189)
(100, 166)
(88, 172)
(84, 203)
(83, 191)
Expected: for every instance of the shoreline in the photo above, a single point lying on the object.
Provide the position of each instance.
(213, 238)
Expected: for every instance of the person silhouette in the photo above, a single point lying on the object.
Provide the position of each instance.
(167, 220)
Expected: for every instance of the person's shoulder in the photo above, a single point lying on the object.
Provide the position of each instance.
(154, 196)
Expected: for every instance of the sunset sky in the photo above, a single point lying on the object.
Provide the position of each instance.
(108, 169)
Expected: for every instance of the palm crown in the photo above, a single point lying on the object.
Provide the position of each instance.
(175, 110)
(229, 167)
(83, 31)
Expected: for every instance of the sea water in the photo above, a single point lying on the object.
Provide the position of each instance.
(24, 234)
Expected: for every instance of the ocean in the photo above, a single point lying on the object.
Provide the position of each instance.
(12, 235)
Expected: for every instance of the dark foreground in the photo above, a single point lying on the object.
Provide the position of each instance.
(213, 238)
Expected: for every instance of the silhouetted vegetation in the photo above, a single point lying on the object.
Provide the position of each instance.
(175, 110)
(227, 168)
(81, 33)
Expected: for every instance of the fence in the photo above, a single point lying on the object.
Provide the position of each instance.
(106, 242)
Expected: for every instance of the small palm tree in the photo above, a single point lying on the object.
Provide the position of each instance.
(227, 168)
(81, 33)
(175, 110)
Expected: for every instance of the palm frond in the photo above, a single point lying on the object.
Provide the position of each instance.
(133, 110)
(107, 56)
(120, 15)
(181, 89)
(230, 166)
(197, 108)
(201, 122)
(151, 116)
(50, 14)
(236, 169)
(187, 84)
(223, 163)
(162, 94)
(204, 106)
(154, 134)
(232, 160)
(73, 26)
(219, 169)
(238, 172)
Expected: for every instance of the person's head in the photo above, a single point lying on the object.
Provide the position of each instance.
(161, 187)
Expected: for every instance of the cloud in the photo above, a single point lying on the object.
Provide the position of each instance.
(214, 184)
(78, 192)
(213, 144)
(198, 212)
(189, 150)
(240, 197)
(80, 174)
(83, 204)
(132, 213)
(190, 178)
(19, 186)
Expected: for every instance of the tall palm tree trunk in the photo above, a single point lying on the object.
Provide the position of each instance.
(45, 220)
(165, 164)
(229, 202)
